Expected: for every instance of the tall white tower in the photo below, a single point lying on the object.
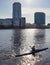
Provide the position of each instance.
(16, 12)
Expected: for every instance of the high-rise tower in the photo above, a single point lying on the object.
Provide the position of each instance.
(16, 13)
(39, 18)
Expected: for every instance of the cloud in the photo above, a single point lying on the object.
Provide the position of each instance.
(33, 10)
(34, 3)
(27, 3)
(40, 4)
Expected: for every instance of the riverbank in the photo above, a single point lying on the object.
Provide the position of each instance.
(24, 28)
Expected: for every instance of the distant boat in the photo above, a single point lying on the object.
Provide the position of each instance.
(32, 52)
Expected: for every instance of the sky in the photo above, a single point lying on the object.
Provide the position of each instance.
(29, 7)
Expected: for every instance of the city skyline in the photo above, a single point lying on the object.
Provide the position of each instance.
(29, 7)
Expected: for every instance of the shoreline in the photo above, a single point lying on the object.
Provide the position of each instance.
(22, 28)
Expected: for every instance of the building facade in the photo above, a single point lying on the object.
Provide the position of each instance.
(22, 22)
(16, 13)
(39, 18)
(6, 22)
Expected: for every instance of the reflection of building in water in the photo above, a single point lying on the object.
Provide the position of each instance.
(40, 37)
(17, 42)
(22, 41)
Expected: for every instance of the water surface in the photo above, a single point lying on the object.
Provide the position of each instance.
(17, 41)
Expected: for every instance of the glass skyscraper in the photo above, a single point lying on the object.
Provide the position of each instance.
(39, 18)
(16, 13)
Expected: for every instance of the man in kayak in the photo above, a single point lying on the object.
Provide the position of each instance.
(33, 52)
(33, 49)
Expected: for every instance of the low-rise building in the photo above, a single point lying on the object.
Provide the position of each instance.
(22, 22)
(6, 22)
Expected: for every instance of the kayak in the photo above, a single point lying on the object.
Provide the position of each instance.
(32, 52)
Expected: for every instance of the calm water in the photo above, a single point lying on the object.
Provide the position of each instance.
(19, 41)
